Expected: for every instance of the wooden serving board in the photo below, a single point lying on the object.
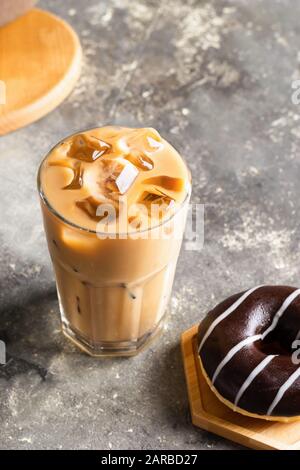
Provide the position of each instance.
(210, 414)
(40, 58)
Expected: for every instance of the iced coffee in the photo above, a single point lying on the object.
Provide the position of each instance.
(114, 203)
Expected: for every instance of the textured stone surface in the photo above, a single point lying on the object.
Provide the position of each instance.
(215, 78)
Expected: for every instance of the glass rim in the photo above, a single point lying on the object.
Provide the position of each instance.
(88, 230)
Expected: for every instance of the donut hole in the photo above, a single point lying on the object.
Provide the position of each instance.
(275, 343)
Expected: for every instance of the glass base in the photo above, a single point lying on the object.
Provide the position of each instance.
(113, 348)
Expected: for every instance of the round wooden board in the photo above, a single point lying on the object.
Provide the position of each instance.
(40, 58)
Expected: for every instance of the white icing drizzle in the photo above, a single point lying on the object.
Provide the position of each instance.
(283, 389)
(227, 312)
(232, 352)
(249, 340)
(258, 369)
(281, 311)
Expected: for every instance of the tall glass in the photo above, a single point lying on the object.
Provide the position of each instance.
(112, 291)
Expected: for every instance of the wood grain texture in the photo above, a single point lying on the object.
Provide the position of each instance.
(210, 414)
(40, 57)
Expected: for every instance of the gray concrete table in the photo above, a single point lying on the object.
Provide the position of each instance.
(214, 77)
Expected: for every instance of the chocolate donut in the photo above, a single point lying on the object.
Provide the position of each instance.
(247, 347)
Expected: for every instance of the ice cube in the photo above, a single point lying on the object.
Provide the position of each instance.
(122, 146)
(139, 141)
(97, 211)
(157, 204)
(77, 180)
(135, 222)
(89, 206)
(166, 183)
(111, 170)
(146, 139)
(154, 144)
(135, 156)
(156, 198)
(126, 177)
(73, 174)
(96, 154)
(88, 148)
(101, 181)
(140, 160)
